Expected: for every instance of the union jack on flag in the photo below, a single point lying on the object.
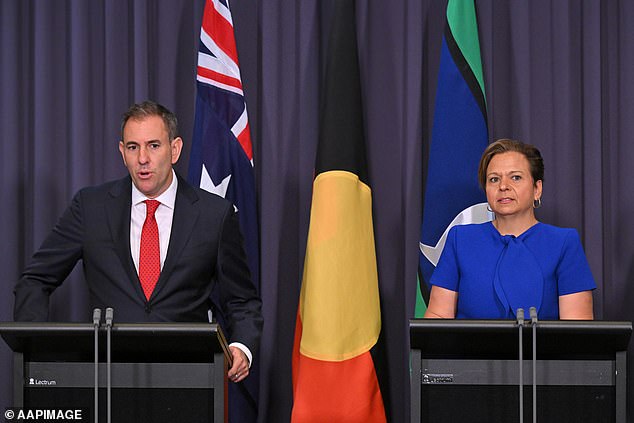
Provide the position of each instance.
(221, 159)
(218, 67)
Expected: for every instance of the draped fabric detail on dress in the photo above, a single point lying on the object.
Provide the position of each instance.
(518, 281)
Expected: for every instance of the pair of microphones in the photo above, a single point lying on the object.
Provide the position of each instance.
(532, 315)
(96, 320)
(533, 323)
(96, 317)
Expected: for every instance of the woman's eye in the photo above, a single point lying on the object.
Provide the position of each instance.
(494, 179)
(516, 177)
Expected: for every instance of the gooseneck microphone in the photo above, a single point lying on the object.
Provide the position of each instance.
(520, 325)
(109, 316)
(533, 314)
(96, 321)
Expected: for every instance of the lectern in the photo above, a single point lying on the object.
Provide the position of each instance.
(160, 372)
(468, 370)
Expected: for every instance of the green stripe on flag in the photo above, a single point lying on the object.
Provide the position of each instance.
(421, 307)
(461, 18)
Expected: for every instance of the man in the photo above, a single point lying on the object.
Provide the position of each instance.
(198, 241)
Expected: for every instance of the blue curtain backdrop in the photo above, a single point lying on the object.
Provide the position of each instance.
(559, 74)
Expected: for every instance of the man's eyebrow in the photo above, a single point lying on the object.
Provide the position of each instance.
(137, 142)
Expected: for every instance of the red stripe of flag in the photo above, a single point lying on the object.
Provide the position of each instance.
(219, 77)
(215, 23)
(244, 138)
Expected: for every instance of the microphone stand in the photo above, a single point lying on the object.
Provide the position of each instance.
(520, 325)
(96, 321)
(533, 315)
(109, 316)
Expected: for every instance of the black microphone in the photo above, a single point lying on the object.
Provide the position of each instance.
(96, 321)
(520, 324)
(109, 317)
(533, 313)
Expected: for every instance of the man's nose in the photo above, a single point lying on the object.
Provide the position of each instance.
(143, 155)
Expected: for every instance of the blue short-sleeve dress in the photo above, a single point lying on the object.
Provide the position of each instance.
(495, 275)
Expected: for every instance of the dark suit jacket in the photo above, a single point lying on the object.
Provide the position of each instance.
(205, 252)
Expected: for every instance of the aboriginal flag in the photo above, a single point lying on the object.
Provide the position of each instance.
(339, 318)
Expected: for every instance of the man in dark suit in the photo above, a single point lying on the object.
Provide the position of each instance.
(198, 237)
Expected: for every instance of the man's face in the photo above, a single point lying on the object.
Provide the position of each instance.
(149, 154)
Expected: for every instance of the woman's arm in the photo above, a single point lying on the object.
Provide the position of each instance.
(577, 306)
(442, 303)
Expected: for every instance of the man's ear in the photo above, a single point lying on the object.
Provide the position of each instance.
(122, 151)
(176, 147)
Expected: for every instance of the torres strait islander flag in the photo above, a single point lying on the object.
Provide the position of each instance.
(339, 320)
(221, 159)
(459, 136)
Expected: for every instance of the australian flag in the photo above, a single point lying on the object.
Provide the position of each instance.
(221, 158)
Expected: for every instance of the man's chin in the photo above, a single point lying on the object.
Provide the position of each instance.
(146, 187)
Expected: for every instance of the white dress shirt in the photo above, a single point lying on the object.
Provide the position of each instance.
(164, 216)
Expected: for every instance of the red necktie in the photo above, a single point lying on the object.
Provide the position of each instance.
(150, 256)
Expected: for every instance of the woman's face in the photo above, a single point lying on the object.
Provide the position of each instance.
(510, 187)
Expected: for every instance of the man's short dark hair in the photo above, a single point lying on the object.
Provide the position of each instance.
(149, 108)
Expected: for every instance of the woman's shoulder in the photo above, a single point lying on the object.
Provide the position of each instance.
(555, 238)
(473, 228)
(471, 231)
(556, 231)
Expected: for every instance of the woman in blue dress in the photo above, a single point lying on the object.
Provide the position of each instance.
(489, 270)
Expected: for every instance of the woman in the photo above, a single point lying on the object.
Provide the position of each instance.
(489, 270)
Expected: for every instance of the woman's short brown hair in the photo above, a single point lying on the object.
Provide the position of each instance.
(505, 145)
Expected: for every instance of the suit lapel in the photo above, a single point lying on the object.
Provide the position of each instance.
(118, 211)
(183, 223)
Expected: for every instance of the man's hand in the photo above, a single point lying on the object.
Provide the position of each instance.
(240, 369)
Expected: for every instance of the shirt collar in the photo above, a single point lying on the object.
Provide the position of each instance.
(167, 198)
